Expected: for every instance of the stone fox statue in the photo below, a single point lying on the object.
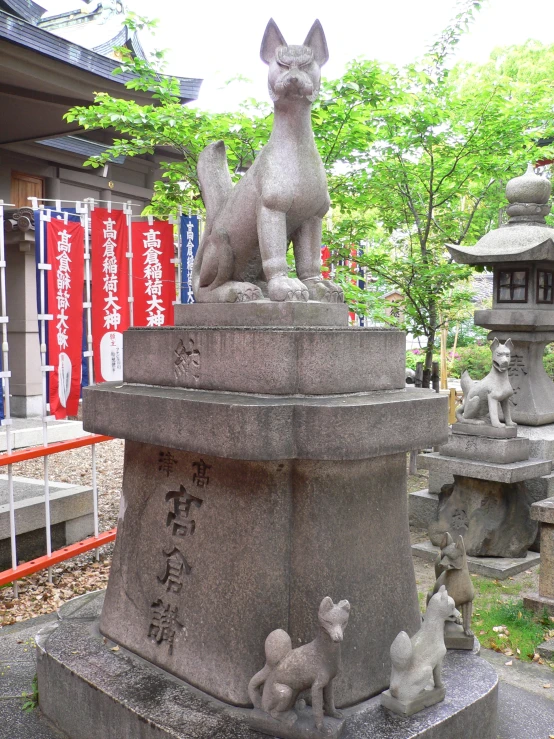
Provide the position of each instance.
(451, 570)
(288, 672)
(281, 198)
(417, 662)
(482, 397)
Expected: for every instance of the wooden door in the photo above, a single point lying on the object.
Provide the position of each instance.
(25, 186)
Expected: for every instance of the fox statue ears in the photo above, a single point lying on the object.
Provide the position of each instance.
(446, 540)
(273, 38)
(495, 344)
(460, 543)
(327, 605)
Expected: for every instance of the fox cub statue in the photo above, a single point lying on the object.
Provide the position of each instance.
(282, 197)
(289, 672)
(451, 570)
(417, 662)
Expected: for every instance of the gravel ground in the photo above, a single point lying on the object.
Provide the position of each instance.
(81, 574)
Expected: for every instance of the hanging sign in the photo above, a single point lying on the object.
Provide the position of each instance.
(110, 292)
(65, 254)
(153, 274)
(189, 247)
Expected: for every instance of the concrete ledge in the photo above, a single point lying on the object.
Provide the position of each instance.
(280, 361)
(263, 313)
(498, 568)
(120, 695)
(539, 603)
(265, 427)
(513, 472)
(423, 508)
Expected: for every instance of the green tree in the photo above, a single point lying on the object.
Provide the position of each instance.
(440, 146)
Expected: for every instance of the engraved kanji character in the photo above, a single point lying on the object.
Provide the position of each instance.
(175, 566)
(200, 478)
(164, 623)
(179, 516)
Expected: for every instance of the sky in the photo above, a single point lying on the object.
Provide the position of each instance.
(217, 40)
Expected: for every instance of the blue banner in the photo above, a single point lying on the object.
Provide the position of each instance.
(189, 247)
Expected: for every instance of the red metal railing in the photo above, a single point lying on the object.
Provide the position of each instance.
(93, 542)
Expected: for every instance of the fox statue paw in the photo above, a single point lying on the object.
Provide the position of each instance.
(324, 291)
(281, 288)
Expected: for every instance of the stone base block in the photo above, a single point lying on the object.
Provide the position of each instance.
(483, 449)
(497, 568)
(280, 360)
(539, 603)
(425, 699)
(423, 508)
(263, 313)
(455, 638)
(484, 430)
(546, 649)
(493, 517)
(120, 695)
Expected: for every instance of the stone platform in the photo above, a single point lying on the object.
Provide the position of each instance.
(120, 695)
(498, 568)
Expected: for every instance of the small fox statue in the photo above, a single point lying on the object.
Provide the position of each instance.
(451, 570)
(288, 672)
(417, 662)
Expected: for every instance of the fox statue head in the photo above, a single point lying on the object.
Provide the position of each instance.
(294, 71)
(442, 607)
(333, 618)
(501, 354)
(453, 553)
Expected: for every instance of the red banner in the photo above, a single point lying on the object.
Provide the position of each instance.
(153, 274)
(110, 292)
(65, 254)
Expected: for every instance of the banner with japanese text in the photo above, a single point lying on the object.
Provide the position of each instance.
(153, 274)
(189, 246)
(65, 254)
(110, 292)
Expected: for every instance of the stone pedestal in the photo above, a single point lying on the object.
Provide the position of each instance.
(544, 600)
(240, 511)
(89, 691)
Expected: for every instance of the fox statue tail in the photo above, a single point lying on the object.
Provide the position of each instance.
(401, 651)
(215, 186)
(277, 645)
(466, 382)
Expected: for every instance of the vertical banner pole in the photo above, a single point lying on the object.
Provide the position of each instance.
(43, 266)
(128, 210)
(88, 307)
(5, 375)
(178, 260)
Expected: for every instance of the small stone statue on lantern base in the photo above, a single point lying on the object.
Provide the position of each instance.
(416, 681)
(451, 570)
(289, 672)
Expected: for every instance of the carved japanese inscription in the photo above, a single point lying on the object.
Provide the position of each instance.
(174, 567)
(186, 363)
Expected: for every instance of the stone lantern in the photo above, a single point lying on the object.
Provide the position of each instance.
(521, 254)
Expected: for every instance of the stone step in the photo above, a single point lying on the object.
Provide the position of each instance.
(71, 515)
(28, 432)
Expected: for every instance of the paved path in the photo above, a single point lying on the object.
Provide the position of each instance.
(526, 709)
